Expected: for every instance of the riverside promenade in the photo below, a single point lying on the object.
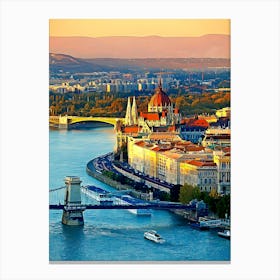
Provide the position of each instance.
(97, 165)
(95, 172)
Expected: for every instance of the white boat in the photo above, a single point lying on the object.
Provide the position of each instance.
(98, 194)
(210, 223)
(224, 234)
(153, 236)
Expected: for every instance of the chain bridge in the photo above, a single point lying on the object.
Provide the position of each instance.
(73, 207)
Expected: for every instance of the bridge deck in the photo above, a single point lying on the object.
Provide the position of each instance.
(139, 206)
(68, 120)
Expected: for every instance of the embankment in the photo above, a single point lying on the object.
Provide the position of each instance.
(117, 185)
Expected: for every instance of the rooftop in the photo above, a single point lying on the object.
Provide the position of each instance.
(131, 129)
(201, 163)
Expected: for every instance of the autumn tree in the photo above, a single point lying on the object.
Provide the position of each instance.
(188, 192)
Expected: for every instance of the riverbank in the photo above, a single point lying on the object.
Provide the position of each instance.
(93, 172)
(96, 166)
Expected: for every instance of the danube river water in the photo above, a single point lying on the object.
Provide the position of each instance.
(116, 235)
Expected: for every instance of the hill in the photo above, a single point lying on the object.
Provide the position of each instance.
(67, 63)
(207, 46)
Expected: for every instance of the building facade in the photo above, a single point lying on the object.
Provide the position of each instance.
(193, 129)
(161, 111)
(176, 163)
(216, 137)
(222, 159)
(162, 116)
(200, 173)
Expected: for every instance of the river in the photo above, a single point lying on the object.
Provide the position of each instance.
(116, 235)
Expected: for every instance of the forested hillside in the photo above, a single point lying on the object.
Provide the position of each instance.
(104, 104)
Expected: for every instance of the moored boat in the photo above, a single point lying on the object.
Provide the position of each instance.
(153, 236)
(98, 194)
(198, 225)
(224, 234)
(210, 223)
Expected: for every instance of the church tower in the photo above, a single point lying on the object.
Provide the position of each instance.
(134, 113)
(128, 116)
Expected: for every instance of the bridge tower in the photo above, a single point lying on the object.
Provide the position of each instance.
(73, 211)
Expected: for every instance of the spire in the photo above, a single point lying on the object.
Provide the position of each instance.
(128, 118)
(160, 85)
(134, 114)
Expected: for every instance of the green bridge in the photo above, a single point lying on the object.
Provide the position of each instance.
(68, 122)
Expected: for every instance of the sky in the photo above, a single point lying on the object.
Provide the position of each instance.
(138, 27)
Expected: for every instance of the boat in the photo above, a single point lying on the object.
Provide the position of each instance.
(98, 194)
(199, 225)
(210, 223)
(129, 200)
(205, 223)
(224, 234)
(153, 236)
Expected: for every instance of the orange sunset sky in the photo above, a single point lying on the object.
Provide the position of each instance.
(138, 27)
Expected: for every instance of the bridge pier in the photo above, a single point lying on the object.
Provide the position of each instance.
(63, 122)
(72, 212)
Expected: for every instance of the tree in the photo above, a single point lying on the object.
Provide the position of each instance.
(52, 110)
(212, 203)
(86, 107)
(196, 193)
(71, 110)
(180, 102)
(213, 193)
(117, 105)
(164, 196)
(223, 206)
(186, 194)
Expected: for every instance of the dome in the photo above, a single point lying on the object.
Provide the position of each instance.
(160, 98)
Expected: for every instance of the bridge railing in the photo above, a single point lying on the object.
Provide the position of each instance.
(120, 206)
